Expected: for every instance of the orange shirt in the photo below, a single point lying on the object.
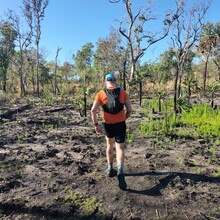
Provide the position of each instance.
(101, 97)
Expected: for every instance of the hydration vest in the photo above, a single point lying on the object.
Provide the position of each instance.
(113, 105)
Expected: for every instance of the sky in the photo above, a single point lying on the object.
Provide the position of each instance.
(70, 24)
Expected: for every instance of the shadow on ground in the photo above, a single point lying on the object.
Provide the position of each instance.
(155, 190)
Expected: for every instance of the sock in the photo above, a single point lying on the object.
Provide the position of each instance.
(109, 165)
(120, 167)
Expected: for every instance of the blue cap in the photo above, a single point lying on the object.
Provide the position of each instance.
(110, 77)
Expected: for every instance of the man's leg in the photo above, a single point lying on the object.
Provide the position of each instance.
(120, 133)
(120, 154)
(110, 155)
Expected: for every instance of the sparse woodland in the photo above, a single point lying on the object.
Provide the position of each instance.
(51, 161)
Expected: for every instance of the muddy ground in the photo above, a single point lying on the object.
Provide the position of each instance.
(52, 167)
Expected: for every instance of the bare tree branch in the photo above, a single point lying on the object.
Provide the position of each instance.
(138, 39)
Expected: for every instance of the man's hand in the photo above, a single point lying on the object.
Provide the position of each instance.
(98, 129)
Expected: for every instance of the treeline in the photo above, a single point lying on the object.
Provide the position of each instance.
(192, 58)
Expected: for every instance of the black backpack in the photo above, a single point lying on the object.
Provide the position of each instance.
(113, 106)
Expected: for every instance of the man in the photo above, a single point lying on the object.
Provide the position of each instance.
(113, 99)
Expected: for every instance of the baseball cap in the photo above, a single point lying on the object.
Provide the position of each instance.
(110, 77)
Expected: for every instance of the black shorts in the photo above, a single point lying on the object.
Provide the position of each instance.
(117, 130)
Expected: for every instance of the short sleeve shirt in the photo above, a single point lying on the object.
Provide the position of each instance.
(108, 118)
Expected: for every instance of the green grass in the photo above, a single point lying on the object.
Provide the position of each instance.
(163, 125)
(130, 137)
(204, 119)
(153, 104)
(200, 120)
(48, 98)
(89, 205)
(217, 208)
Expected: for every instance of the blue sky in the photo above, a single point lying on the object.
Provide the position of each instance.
(70, 24)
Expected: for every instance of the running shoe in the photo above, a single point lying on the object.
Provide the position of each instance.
(121, 181)
(109, 172)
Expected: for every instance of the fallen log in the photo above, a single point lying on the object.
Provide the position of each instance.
(55, 109)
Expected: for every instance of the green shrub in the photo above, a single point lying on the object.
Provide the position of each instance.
(48, 98)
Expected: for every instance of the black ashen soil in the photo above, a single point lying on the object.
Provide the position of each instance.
(52, 167)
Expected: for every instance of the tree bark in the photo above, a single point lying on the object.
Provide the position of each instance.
(37, 71)
(22, 88)
(205, 73)
(140, 92)
(4, 79)
(175, 91)
(124, 75)
(55, 71)
(84, 104)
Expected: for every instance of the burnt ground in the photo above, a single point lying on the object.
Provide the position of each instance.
(52, 167)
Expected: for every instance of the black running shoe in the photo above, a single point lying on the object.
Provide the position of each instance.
(121, 181)
(109, 172)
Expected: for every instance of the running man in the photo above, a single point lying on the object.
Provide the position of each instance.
(113, 99)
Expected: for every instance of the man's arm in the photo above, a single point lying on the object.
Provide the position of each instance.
(94, 110)
(128, 108)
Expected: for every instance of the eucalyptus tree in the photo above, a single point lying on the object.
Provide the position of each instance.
(216, 52)
(31, 63)
(143, 73)
(186, 32)
(209, 47)
(66, 71)
(7, 49)
(134, 29)
(22, 42)
(167, 64)
(52, 66)
(44, 70)
(109, 55)
(35, 13)
(139, 38)
(216, 59)
(83, 61)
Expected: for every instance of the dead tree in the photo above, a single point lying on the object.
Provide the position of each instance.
(22, 41)
(55, 70)
(187, 27)
(137, 37)
(35, 14)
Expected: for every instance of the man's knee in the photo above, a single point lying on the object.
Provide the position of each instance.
(120, 146)
(109, 151)
(109, 147)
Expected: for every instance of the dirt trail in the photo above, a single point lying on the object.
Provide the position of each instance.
(52, 167)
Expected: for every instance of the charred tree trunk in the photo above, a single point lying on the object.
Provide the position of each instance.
(85, 104)
(205, 74)
(4, 79)
(37, 71)
(179, 86)
(176, 91)
(124, 75)
(22, 88)
(33, 79)
(159, 104)
(189, 93)
(140, 92)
